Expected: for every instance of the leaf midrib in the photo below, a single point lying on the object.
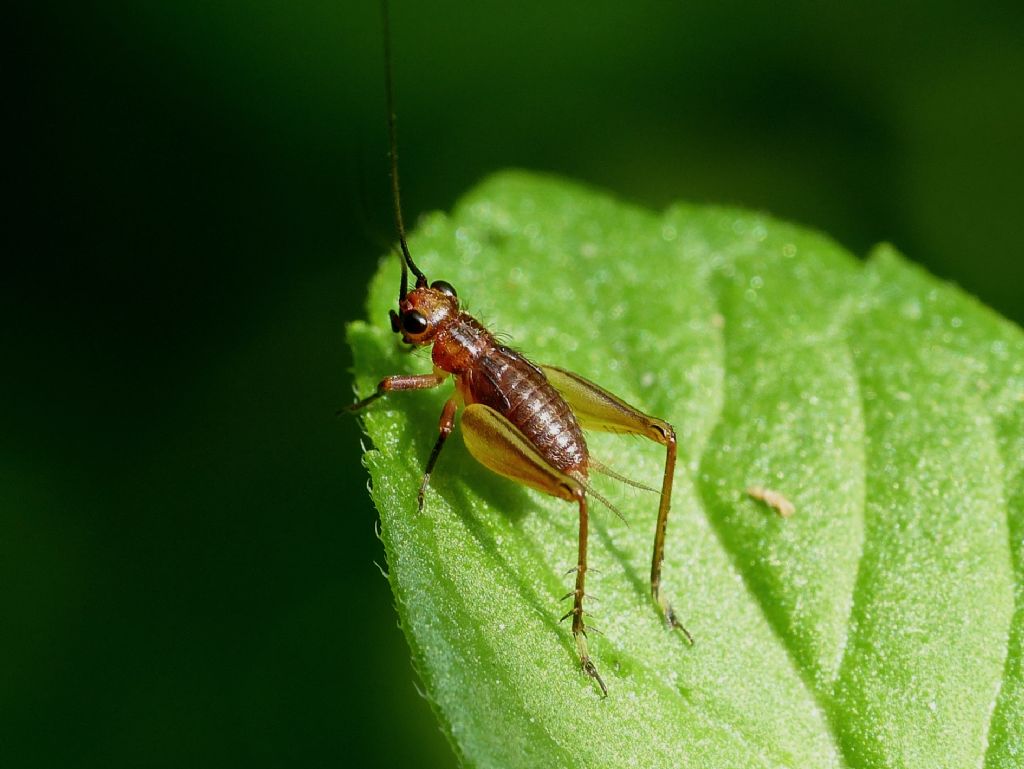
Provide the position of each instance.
(805, 675)
(825, 701)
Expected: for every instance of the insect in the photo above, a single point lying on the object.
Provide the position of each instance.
(520, 420)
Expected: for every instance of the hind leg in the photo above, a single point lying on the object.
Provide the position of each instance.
(597, 409)
(500, 446)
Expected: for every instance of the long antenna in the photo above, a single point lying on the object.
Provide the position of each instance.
(421, 279)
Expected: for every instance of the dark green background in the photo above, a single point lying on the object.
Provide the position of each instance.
(186, 544)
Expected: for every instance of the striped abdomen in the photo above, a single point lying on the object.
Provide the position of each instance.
(507, 382)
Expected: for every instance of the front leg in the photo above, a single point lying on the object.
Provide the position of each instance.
(402, 382)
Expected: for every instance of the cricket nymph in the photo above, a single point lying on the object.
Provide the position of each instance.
(519, 420)
(489, 373)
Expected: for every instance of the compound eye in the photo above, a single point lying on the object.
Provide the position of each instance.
(413, 322)
(445, 288)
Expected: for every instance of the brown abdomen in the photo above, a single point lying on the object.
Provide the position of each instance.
(511, 385)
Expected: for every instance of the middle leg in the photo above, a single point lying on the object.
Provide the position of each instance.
(447, 422)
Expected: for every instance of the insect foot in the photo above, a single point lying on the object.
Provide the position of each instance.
(585, 661)
(422, 493)
(670, 615)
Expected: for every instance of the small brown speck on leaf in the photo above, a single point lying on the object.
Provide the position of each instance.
(773, 499)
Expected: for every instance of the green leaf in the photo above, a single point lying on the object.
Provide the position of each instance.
(882, 625)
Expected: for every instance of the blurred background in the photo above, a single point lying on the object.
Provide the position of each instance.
(186, 544)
